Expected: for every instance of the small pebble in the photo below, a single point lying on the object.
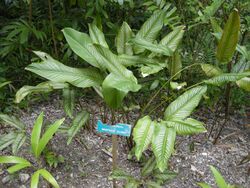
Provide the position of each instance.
(24, 177)
(6, 179)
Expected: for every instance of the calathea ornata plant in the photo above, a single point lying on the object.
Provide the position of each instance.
(108, 72)
(161, 135)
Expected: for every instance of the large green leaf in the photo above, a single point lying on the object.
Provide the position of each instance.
(229, 39)
(143, 134)
(69, 101)
(35, 135)
(163, 144)
(151, 28)
(124, 35)
(226, 77)
(187, 126)
(211, 70)
(119, 78)
(78, 122)
(183, 106)
(79, 43)
(46, 175)
(58, 72)
(175, 65)
(218, 178)
(13, 121)
(42, 87)
(173, 39)
(97, 35)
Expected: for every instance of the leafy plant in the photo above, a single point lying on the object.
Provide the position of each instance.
(220, 181)
(15, 138)
(161, 134)
(37, 145)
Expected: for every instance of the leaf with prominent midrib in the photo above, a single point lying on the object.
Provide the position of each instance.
(55, 71)
(183, 106)
(163, 144)
(142, 135)
(124, 35)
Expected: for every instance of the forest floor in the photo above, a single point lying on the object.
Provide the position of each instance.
(88, 163)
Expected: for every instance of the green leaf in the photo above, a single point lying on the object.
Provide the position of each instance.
(133, 60)
(18, 167)
(120, 174)
(34, 180)
(229, 39)
(212, 9)
(13, 159)
(69, 101)
(141, 43)
(211, 70)
(151, 28)
(244, 83)
(218, 178)
(42, 87)
(164, 176)
(241, 66)
(124, 35)
(152, 184)
(132, 184)
(78, 122)
(47, 136)
(111, 62)
(143, 134)
(148, 167)
(152, 68)
(35, 135)
(18, 142)
(187, 126)
(226, 77)
(163, 145)
(7, 139)
(46, 175)
(97, 35)
(13, 121)
(4, 83)
(204, 185)
(79, 43)
(173, 39)
(58, 72)
(175, 65)
(183, 106)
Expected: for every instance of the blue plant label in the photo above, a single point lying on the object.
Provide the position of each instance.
(118, 129)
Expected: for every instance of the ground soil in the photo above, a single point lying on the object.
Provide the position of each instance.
(88, 162)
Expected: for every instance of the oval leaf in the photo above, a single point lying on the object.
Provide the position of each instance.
(143, 134)
(229, 39)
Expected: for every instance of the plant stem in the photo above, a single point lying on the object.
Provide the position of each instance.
(52, 28)
(114, 148)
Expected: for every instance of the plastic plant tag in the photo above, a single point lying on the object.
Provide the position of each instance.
(118, 129)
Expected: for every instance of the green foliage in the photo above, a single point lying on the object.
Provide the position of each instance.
(162, 134)
(79, 121)
(38, 144)
(17, 137)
